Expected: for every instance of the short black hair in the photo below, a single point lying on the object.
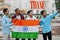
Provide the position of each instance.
(43, 11)
(16, 9)
(29, 11)
(5, 9)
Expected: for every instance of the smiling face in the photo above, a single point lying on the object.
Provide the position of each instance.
(7, 12)
(31, 14)
(17, 11)
(43, 13)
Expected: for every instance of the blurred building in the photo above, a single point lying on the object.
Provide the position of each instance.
(57, 2)
(25, 4)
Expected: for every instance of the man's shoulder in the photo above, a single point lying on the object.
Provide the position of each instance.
(41, 18)
(34, 17)
(4, 16)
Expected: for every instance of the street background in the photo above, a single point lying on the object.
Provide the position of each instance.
(49, 5)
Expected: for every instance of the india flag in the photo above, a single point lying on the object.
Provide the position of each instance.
(25, 28)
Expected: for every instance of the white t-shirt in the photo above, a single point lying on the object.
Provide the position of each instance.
(18, 17)
(29, 18)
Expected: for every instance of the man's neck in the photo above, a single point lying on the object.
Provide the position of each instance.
(44, 16)
(17, 14)
(30, 16)
(6, 15)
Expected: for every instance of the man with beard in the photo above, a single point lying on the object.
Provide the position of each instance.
(19, 16)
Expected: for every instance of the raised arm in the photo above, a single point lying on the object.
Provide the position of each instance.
(53, 14)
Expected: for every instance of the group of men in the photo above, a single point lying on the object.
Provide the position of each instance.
(44, 23)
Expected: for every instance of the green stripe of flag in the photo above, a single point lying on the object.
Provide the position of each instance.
(24, 34)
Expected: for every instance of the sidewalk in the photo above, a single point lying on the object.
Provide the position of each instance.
(39, 38)
(54, 37)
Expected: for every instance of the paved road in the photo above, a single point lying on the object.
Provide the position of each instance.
(54, 37)
(40, 37)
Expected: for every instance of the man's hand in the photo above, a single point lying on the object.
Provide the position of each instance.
(40, 29)
(10, 29)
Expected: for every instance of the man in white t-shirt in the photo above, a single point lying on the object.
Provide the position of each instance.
(30, 17)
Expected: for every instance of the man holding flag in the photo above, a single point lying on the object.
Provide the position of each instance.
(6, 23)
(30, 17)
(18, 16)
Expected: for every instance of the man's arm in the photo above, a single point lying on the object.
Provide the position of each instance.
(53, 14)
(4, 23)
(41, 24)
(14, 16)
